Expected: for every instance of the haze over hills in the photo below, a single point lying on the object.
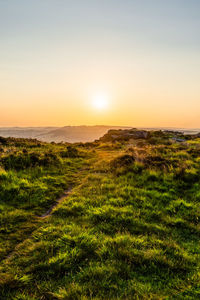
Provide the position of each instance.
(71, 134)
(24, 132)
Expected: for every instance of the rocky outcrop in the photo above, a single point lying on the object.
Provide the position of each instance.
(124, 135)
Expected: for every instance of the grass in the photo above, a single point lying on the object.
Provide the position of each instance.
(129, 229)
(31, 180)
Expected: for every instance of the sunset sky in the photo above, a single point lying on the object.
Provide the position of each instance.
(113, 62)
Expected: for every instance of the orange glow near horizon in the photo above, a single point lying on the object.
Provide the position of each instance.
(99, 63)
(137, 100)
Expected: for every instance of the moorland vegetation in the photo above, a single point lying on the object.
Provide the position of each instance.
(127, 229)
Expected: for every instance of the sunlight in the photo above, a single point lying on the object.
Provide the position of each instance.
(100, 101)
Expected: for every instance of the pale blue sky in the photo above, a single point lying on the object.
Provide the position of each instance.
(158, 23)
(56, 51)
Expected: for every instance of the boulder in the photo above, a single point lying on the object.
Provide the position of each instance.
(120, 135)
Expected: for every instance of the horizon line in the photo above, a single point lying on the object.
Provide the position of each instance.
(121, 126)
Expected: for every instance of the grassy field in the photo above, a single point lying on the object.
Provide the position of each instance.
(129, 229)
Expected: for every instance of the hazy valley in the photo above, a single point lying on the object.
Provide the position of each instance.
(71, 134)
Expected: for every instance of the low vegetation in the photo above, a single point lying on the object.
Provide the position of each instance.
(129, 229)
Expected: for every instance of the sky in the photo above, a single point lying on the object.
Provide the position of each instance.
(113, 62)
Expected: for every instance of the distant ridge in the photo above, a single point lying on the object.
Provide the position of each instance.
(73, 134)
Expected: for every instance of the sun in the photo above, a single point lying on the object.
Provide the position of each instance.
(100, 101)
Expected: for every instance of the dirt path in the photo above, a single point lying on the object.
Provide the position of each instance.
(45, 215)
(58, 200)
(65, 194)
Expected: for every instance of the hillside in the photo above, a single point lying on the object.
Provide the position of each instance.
(117, 218)
(71, 134)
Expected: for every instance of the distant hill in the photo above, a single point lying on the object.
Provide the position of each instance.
(71, 134)
(24, 132)
(76, 133)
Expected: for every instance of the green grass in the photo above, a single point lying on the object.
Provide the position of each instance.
(129, 229)
(30, 182)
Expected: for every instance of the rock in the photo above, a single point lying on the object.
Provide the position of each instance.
(120, 135)
(179, 140)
